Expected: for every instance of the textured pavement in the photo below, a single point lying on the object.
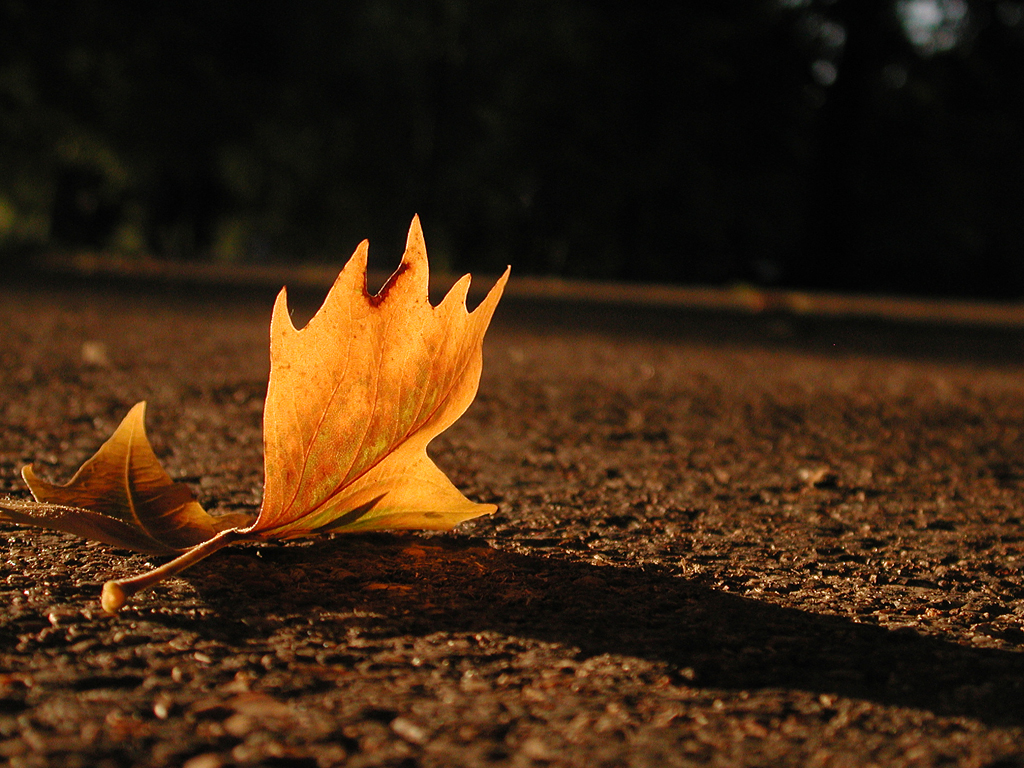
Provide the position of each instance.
(725, 537)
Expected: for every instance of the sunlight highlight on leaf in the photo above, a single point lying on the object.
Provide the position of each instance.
(355, 397)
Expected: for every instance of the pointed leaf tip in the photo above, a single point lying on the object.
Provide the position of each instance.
(413, 273)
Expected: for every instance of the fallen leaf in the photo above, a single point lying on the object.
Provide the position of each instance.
(121, 496)
(353, 400)
(356, 395)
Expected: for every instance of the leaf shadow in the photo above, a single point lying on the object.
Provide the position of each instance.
(421, 585)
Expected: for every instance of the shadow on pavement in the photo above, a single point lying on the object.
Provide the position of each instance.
(417, 586)
(772, 328)
(916, 339)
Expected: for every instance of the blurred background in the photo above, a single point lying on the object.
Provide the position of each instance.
(857, 145)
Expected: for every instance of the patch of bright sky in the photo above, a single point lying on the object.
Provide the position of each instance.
(934, 26)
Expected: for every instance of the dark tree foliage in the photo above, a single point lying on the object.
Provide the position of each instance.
(916, 154)
(852, 144)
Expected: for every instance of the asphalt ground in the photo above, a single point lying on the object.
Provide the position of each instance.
(728, 535)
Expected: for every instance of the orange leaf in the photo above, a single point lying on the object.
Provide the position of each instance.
(356, 395)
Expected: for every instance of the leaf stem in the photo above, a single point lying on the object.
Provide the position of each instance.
(116, 592)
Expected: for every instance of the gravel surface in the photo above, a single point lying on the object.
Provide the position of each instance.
(722, 539)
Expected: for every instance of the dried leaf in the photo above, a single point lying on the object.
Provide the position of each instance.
(356, 395)
(121, 496)
(353, 400)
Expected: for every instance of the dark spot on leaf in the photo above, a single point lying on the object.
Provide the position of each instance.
(378, 298)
